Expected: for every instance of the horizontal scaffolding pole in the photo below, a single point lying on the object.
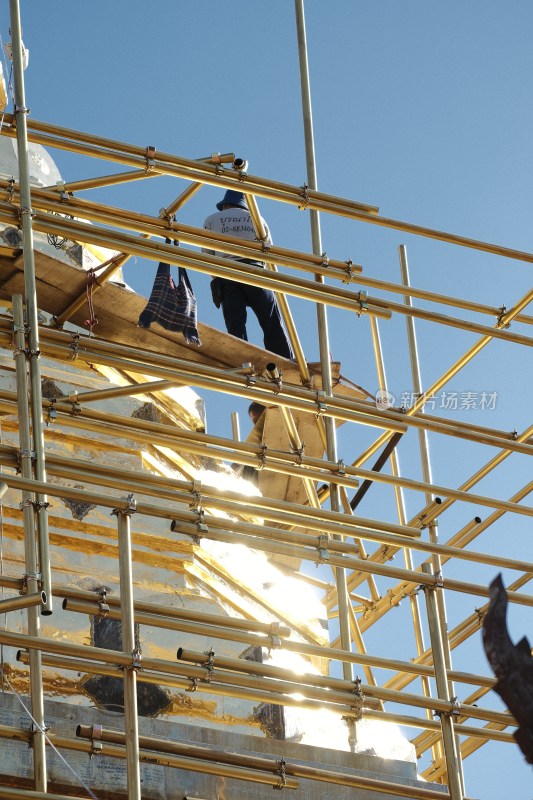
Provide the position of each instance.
(167, 488)
(254, 536)
(257, 762)
(135, 156)
(168, 164)
(345, 271)
(95, 667)
(261, 389)
(23, 601)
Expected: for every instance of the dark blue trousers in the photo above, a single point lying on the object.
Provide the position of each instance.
(237, 297)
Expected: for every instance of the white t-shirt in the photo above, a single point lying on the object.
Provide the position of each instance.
(234, 222)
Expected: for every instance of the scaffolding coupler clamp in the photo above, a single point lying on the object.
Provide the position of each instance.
(299, 452)
(280, 772)
(481, 614)
(103, 607)
(262, 456)
(52, 412)
(349, 272)
(196, 493)
(37, 504)
(359, 702)
(321, 403)
(30, 576)
(10, 191)
(325, 260)
(149, 158)
(341, 469)
(131, 507)
(21, 454)
(63, 195)
(453, 712)
(265, 246)
(209, 665)
(201, 525)
(322, 549)
(96, 744)
(305, 197)
(501, 317)
(34, 729)
(136, 660)
(193, 686)
(75, 408)
(73, 347)
(362, 300)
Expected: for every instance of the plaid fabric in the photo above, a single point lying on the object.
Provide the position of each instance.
(173, 307)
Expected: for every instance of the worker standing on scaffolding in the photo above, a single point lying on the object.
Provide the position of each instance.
(233, 218)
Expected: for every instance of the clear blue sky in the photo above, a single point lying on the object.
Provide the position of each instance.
(422, 108)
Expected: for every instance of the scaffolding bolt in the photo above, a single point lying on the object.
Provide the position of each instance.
(325, 260)
(341, 469)
(193, 686)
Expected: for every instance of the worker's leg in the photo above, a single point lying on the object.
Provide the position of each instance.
(263, 303)
(234, 308)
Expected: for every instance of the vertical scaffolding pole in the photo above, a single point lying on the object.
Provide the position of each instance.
(427, 477)
(331, 437)
(402, 518)
(30, 546)
(131, 723)
(439, 665)
(31, 300)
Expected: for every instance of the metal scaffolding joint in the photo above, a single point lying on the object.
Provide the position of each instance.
(305, 198)
(52, 412)
(359, 702)
(322, 549)
(103, 607)
(201, 525)
(321, 403)
(22, 454)
(150, 159)
(129, 510)
(209, 665)
(136, 660)
(281, 773)
(262, 456)
(10, 191)
(299, 452)
(349, 271)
